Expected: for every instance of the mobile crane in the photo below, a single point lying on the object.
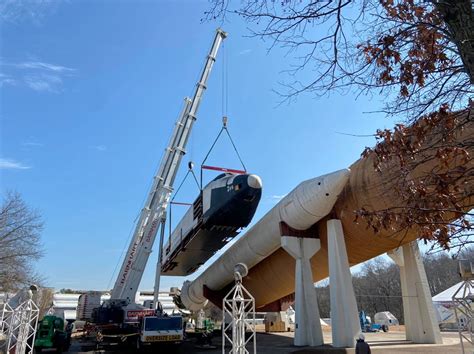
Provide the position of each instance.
(120, 317)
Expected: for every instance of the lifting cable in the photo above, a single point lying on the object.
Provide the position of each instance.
(225, 81)
(223, 169)
(225, 107)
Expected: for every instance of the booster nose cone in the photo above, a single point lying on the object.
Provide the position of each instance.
(311, 200)
(254, 181)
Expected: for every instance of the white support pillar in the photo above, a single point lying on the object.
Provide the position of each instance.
(344, 316)
(307, 321)
(397, 256)
(420, 318)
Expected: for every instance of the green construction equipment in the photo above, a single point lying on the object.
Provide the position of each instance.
(52, 335)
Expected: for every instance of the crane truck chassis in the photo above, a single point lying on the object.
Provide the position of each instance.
(151, 328)
(121, 320)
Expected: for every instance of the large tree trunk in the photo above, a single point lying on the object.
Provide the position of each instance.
(459, 18)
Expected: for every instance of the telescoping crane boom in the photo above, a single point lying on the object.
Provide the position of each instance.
(120, 319)
(153, 213)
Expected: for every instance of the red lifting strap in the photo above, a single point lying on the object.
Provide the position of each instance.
(223, 169)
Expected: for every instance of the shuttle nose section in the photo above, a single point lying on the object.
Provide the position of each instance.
(254, 181)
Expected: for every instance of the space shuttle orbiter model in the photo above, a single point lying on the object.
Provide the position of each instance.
(224, 206)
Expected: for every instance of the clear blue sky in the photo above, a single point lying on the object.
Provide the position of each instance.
(89, 94)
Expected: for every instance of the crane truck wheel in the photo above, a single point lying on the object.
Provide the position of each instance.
(385, 328)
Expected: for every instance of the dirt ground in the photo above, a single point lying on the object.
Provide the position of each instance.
(273, 343)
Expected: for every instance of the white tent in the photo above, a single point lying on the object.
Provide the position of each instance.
(444, 305)
(443, 313)
(447, 295)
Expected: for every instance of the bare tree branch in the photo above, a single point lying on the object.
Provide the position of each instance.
(20, 229)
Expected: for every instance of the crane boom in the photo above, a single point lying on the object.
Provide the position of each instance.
(154, 211)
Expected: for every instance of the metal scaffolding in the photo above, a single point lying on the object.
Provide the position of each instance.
(462, 300)
(239, 306)
(18, 324)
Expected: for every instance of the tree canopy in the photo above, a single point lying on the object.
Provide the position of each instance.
(414, 50)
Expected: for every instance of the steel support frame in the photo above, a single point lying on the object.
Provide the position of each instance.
(239, 306)
(19, 326)
(462, 299)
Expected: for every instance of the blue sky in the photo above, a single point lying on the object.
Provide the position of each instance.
(90, 92)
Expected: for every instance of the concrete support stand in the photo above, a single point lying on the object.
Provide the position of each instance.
(420, 318)
(344, 317)
(307, 321)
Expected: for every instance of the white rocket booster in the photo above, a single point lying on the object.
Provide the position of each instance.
(305, 205)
